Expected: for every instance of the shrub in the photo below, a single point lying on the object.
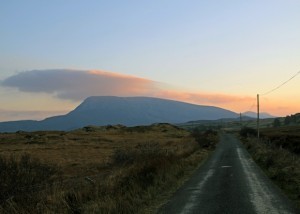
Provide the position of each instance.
(121, 156)
(248, 132)
(276, 123)
(206, 138)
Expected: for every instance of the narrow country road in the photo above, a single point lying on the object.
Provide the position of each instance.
(229, 182)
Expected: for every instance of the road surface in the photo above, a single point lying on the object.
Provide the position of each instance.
(229, 182)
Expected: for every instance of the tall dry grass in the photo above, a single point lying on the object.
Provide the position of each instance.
(281, 165)
(97, 169)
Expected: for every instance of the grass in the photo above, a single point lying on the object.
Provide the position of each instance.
(286, 137)
(279, 157)
(22, 177)
(111, 169)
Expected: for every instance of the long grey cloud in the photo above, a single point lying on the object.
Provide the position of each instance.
(79, 84)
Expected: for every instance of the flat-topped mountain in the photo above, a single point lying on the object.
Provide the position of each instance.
(128, 111)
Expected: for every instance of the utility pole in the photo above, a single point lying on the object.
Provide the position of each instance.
(258, 116)
(241, 119)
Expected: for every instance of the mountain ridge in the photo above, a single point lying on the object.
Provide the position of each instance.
(129, 111)
(262, 115)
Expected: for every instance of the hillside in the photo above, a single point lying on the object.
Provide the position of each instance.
(129, 111)
(262, 115)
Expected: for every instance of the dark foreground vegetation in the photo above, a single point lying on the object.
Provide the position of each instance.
(278, 153)
(136, 176)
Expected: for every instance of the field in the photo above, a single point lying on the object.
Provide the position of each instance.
(286, 137)
(229, 124)
(88, 151)
(278, 153)
(109, 169)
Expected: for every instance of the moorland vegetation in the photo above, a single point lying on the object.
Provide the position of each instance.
(277, 152)
(110, 169)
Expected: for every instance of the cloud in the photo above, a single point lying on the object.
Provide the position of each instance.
(207, 98)
(77, 85)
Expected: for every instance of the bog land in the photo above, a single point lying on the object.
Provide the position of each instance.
(109, 169)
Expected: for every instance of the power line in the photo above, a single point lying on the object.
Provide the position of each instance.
(268, 92)
(282, 84)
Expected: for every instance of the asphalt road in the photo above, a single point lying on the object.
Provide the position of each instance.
(229, 182)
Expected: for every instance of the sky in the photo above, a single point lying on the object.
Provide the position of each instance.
(54, 54)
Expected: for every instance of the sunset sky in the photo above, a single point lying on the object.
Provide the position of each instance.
(54, 54)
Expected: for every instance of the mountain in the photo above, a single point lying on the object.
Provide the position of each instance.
(262, 115)
(129, 111)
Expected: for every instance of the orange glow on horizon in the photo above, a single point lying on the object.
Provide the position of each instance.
(85, 83)
(236, 103)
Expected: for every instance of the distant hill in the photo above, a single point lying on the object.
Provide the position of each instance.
(129, 111)
(293, 119)
(262, 115)
(218, 121)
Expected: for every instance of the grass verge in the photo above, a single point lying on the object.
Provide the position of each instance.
(281, 165)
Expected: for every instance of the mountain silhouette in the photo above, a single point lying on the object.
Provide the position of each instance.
(128, 111)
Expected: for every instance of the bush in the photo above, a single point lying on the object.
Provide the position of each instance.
(205, 139)
(248, 132)
(276, 123)
(121, 156)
